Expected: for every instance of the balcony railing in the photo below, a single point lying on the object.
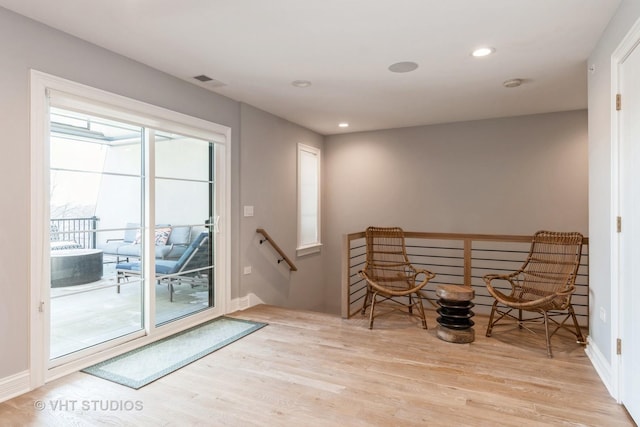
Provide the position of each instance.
(456, 259)
(79, 230)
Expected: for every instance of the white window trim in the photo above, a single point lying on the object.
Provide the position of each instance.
(316, 247)
(309, 249)
(45, 85)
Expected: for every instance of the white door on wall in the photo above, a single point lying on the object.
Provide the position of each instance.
(630, 233)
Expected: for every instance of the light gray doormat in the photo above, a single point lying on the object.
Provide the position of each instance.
(146, 364)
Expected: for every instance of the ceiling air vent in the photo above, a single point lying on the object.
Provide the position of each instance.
(209, 81)
(203, 78)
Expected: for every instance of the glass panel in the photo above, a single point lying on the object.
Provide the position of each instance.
(182, 157)
(88, 143)
(308, 197)
(183, 195)
(94, 212)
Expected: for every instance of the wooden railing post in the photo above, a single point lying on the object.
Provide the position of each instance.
(345, 269)
(467, 261)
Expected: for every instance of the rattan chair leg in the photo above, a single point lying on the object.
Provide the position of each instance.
(491, 316)
(366, 299)
(373, 307)
(546, 330)
(520, 319)
(421, 311)
(580, 338)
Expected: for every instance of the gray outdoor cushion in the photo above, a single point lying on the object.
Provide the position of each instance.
(112, 246)
(179, 235)
(132, 232)
(134, 251)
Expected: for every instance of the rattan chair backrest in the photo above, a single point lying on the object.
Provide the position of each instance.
(387, 261)
(551, 266)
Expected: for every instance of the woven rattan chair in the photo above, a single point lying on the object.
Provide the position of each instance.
(390, 276)
(544, 285)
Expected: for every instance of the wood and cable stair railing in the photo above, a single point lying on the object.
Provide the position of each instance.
(456, 259)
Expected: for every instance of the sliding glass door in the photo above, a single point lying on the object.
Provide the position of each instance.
(129, 224)
(184, 194)
(96, 187)
(131, 213)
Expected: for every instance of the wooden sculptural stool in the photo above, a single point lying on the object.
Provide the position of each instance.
(455, 324)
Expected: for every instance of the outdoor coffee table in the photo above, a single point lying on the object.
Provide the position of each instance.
(71, 267)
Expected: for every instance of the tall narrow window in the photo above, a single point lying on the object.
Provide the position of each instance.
(309, 240)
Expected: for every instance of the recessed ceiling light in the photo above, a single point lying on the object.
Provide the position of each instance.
(301, 83)
(403, 67)
(483, 51)
(512, 83)
(343, 125)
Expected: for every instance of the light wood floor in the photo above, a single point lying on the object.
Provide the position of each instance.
(311, 369)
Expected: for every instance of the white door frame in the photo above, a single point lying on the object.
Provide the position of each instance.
(626, 46)
(39, 269)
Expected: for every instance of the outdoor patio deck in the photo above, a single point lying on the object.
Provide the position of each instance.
(85, 315)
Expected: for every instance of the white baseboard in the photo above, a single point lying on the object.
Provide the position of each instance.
(245, 302)
(15, 385)
(602, 367)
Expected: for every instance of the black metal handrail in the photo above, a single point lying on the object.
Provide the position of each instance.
(76, 230)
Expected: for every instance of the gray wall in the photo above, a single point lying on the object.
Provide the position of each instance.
(268, 162)
(600, 174)
(25, 44)
(504, 176)
(461, 177)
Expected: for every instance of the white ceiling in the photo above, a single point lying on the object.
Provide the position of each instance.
(344, 47)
